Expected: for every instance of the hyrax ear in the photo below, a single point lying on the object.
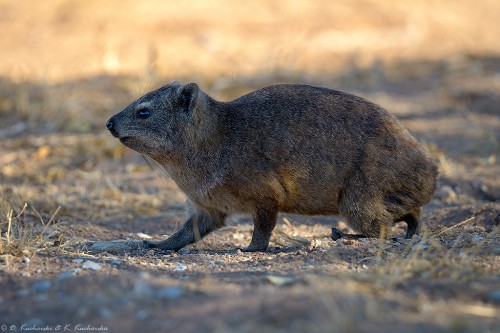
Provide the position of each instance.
(188, 96)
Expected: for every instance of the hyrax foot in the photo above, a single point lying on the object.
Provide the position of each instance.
(256, 248)
(337, 234)
(163, 245)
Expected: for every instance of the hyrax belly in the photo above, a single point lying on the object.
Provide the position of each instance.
(313, 198)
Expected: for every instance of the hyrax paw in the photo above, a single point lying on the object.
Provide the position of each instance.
(161, 246)
(254, 248)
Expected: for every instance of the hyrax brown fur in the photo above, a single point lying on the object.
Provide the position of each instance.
(284, 148)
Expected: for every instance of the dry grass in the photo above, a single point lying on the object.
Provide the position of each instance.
(394, 290)
(24, 231)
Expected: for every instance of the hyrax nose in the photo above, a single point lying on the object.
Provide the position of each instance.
(110, 124)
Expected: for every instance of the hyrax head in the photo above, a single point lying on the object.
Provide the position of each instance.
(154, 124)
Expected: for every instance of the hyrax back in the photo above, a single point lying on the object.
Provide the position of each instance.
(283, 148)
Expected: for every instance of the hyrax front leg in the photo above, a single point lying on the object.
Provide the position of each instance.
(199, 224)
(264, 223)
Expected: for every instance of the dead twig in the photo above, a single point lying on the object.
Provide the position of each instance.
(454, 226)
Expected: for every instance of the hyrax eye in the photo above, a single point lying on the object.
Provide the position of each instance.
(142, 113)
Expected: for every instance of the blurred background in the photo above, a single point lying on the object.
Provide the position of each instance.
(57, 41)
(74, 48)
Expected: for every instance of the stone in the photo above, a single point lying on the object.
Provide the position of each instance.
(111, 247)
(477, 239)
(106, 313)
(447, 194)
(171, 292)
(280, 280)
(495, 296)
(417, 247)
(42, 286)
(89, 264)
(23, 293)
(142, 315)
(143, 235)
(68, 274)
(180, 268)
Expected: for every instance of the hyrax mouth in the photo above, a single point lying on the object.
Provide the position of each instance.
(124, 139)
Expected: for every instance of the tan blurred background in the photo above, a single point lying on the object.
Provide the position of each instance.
(60, 40)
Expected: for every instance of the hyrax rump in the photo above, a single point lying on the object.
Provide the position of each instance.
(284, 148)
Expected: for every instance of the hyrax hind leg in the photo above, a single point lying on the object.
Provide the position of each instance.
(412, 221)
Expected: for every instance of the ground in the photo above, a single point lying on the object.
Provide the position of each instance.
(66, 184)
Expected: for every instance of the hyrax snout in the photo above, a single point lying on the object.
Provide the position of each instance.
(283, 148)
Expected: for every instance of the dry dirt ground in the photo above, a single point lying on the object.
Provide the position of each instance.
(66, 184)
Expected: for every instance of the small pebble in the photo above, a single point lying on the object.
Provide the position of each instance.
(68, 274)
(112, 247)
(171, 292)
(142, 315)
(216, 262)
(495, 296)
(447, 194)
(420, 247)
(477, 239)
(280, 280)
(23, 293)
(42, 286)
(26, 261)
(180, 268)
(106, 313)
(142, 289)
(143, 236)
(91, 265)
(77, 260)
(41, 298)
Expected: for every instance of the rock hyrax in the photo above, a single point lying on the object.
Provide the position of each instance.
(284, 148)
